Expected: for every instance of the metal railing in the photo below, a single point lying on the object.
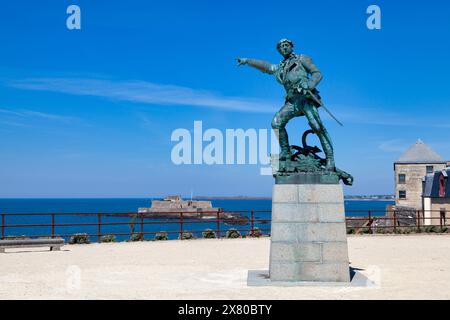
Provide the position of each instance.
(394, 221)
(177, 223)
(218, 222)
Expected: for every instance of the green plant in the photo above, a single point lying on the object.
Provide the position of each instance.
(407, 231)
(186, 236)
(233, 234)
(136, 237)
(161, 236)
(255, 233)
(108, 238)
(431, 229)
(351, 231)
(209, 234)
(79, 238)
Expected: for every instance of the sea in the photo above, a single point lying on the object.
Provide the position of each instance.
(74, 211)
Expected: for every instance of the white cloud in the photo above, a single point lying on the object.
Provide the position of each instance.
(145, 92)
(23, 113)
(174, 95)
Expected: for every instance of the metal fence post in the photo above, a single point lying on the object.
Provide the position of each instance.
(395, 221)
(142, 227)
(252, 223)
(445, 218)
(3, 226)
(218, 225)
(181, 225)
(53, 225)
(370, 222)
(418, 220)
(99, 224)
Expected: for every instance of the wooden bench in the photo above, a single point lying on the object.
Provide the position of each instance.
(54, 244)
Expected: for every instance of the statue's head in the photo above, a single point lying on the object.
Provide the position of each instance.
(285, 47)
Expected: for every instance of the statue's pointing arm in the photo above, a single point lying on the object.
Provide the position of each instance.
(316, 75)
(261, 65)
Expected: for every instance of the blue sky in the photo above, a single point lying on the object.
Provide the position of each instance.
(90, 112)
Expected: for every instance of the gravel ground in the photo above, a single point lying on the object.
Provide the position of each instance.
(401, 267)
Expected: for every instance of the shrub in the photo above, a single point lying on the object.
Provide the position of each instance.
(79, 238)
(108, 238)
(431, 229)
(255, 233)
(161, 236)
(233, 234)
(136, 237)
(209, 234)
(351, 231)
(381, 231)
(186, 236)
(407, 230)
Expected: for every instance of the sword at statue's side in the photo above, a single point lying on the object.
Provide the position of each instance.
(323, 106)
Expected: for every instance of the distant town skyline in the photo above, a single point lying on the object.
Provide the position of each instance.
(90, 112)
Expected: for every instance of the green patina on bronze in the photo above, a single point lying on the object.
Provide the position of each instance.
(300, 76)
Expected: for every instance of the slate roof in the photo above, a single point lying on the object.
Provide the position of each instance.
(420, 153)
(431, 187)
(428, 186)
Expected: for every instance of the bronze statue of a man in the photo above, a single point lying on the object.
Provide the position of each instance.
(299, 76)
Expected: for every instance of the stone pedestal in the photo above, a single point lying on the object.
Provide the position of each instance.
(308, 238)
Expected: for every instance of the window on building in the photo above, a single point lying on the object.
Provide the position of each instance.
(402, 194)
(402, 178)
(430, 169)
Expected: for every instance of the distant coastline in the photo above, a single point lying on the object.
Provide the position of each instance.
(348, 198)
(230, 198)
(358, 198)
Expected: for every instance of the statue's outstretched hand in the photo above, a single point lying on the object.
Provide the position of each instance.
(241, 61)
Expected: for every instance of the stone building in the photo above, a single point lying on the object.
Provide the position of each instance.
(436, 197)
(410, 169)
(174, 205)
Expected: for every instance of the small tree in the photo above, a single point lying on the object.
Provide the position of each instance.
(108, 238)
(186, 236)
(209, 234)
(79, 238)
(161, 236)
(255, 233)
(233, 234)
(136, 237)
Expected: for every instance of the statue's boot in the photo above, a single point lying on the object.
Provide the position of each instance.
(283, 139)
(330, 165)
(328, 150)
